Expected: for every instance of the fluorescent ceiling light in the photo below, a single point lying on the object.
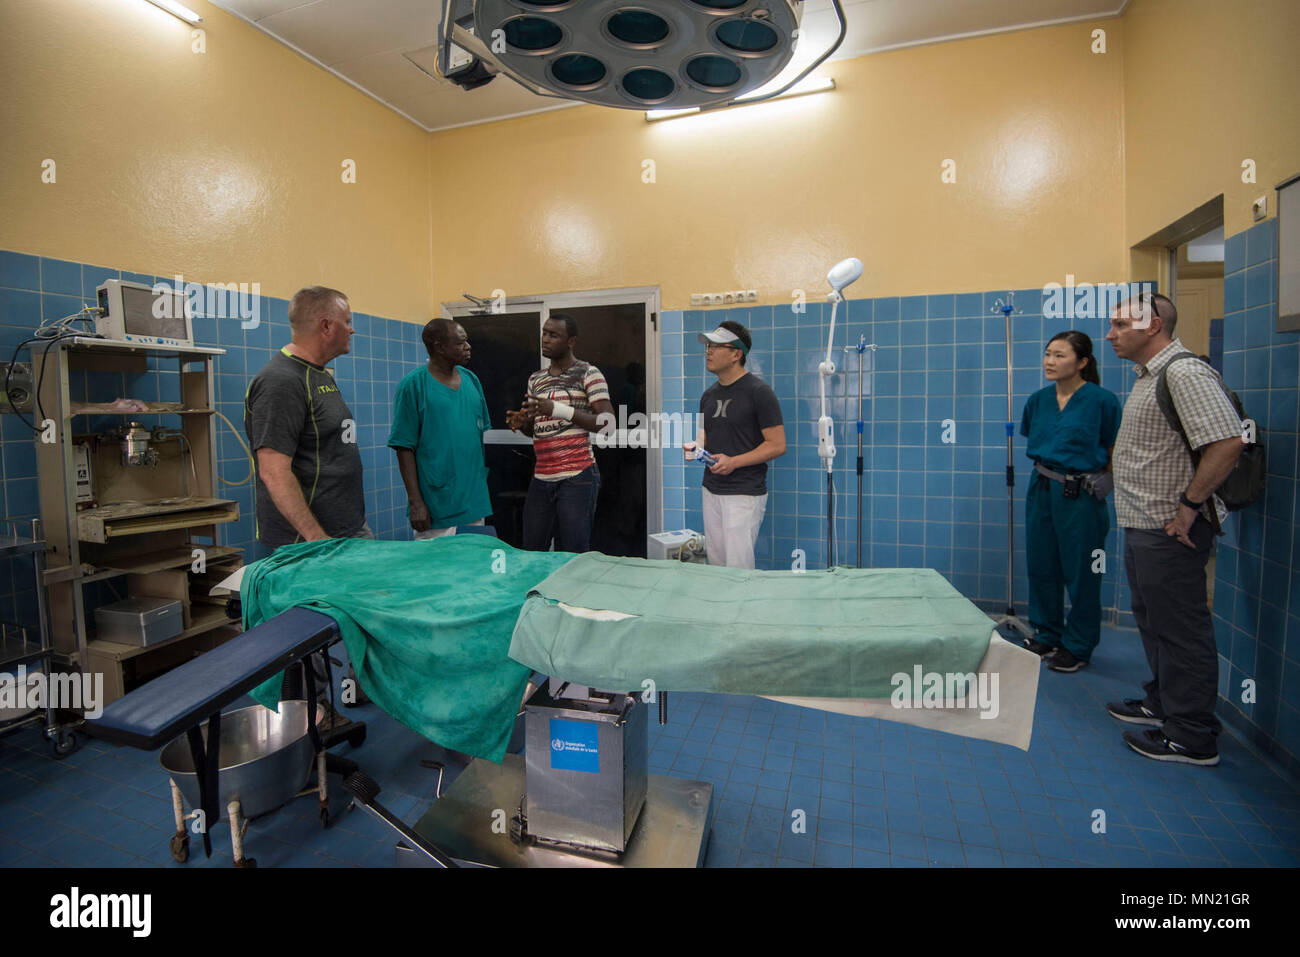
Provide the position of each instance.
(178, 10)
(818, 85)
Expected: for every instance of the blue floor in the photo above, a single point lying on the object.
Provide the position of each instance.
(874, 794)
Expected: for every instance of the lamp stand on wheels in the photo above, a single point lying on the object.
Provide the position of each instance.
(861, 349)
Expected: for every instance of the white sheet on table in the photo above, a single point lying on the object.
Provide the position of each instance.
(1017, 670)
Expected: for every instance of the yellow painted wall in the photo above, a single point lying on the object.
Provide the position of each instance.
(767, 197)
(1208, 84)
(224, 166)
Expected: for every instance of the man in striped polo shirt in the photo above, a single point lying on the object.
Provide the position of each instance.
(559, 412)
(1169, 513)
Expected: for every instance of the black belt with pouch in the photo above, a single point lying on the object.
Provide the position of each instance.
(1097, 484)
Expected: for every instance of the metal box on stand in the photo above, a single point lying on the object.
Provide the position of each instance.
(585, 766)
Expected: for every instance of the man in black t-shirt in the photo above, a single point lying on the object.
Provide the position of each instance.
(305, 441)
(741, 426)
(302, 431)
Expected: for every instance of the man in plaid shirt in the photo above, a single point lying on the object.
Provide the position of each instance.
(1164, 506)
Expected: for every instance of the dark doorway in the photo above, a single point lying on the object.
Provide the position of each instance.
(506, 350)
(613, 339)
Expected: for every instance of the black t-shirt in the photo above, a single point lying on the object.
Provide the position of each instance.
(294, 407)
(734, 418)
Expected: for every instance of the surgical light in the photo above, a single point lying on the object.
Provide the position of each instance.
(629, 54)
(178, 10)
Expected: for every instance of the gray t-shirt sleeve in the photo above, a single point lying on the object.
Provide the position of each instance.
(767, 408)
(278, 413)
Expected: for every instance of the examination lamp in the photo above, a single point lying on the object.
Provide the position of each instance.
(628, 54)
(842, 274)
(178, 10)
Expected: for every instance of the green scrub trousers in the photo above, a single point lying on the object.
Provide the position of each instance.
(1061, 536)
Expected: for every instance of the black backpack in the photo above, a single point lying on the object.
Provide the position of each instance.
(1245, 483)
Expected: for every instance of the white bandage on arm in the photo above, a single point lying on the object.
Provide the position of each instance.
(561, 411)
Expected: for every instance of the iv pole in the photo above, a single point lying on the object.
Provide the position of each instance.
(1010, 619)
(861, 349)
(842, 274)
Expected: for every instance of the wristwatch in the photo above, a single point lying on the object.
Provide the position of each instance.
(1195, 506)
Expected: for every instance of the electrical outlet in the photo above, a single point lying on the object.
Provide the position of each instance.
(715, 299)
(751, 295)
(1259, 208)
(697, 298)
(728, 298)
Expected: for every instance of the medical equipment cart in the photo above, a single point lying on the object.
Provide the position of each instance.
(131, 495)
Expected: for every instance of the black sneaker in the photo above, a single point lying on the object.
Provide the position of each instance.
(1133, 711)
(1061, 660)
(1039, 648)
(1153, 744)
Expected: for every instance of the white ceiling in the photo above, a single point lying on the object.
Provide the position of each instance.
(386, 47)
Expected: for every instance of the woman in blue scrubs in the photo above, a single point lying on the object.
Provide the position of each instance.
(1071, 427)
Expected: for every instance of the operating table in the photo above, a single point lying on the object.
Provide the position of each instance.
(582, 786)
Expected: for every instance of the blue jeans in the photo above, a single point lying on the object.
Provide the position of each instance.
(561, 510)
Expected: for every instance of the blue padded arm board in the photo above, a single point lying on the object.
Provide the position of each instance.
(155, 713)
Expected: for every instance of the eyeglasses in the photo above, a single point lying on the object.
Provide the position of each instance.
(710, 346)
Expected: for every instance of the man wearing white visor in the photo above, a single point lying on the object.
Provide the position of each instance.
(741, 428)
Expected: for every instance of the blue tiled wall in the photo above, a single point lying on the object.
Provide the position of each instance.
(926, 502)
(34, 288)
(1257, 579)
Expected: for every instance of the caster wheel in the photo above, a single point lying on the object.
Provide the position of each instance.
(357, 738)
(64, 743)
(246, 863)
(180, 847)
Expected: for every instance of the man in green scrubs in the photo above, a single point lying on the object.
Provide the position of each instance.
(1071, 427)
(439, 417)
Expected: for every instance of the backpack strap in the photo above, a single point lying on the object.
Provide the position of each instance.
(1165, 401)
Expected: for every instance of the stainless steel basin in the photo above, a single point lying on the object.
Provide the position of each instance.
(266, 758)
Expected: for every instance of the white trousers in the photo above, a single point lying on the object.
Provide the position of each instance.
(731, 525)
(439, 532)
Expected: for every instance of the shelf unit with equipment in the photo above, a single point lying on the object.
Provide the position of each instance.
(131, 499)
